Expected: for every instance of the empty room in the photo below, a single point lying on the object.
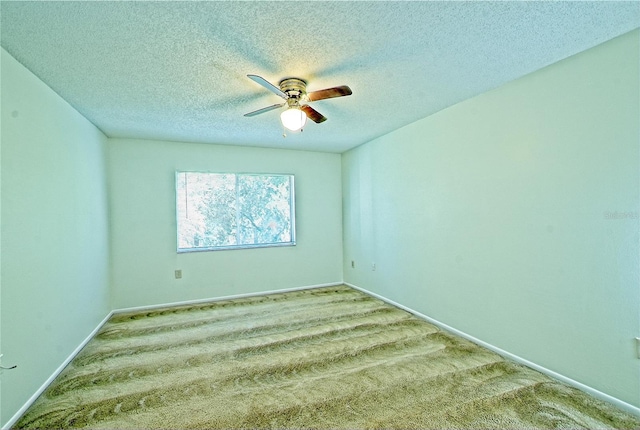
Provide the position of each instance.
(318, 214)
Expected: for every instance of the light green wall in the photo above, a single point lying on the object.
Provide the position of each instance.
(490, 216)
(142, 204)
(1, 420)
(55, 267)
(497, 217)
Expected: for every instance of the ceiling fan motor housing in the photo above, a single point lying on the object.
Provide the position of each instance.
(295, 88)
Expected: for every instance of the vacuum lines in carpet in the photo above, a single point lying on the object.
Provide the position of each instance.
(322, 358)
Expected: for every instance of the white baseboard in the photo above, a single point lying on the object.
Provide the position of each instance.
(595, 393)
(589, 390)
(9, 424)
(219, 299)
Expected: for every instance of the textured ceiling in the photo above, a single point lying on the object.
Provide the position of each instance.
(177, 70)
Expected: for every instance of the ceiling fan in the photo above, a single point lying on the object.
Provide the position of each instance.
(294, 92)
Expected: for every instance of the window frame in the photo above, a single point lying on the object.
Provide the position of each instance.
(292, 205)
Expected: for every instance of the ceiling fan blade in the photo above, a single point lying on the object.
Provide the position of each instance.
(268, 85)
(329, 93)
(263, 110)
(313, 114)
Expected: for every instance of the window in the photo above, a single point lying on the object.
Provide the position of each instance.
(226, 210)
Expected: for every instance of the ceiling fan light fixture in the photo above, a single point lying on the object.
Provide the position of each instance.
(296, 98)
(293, 118)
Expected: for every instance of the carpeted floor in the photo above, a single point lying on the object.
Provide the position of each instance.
(322, 358)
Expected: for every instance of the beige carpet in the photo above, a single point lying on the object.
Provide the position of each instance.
(322, 358)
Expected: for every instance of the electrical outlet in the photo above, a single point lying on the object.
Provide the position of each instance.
(353, 264)
(178, 274)
(373, 267)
